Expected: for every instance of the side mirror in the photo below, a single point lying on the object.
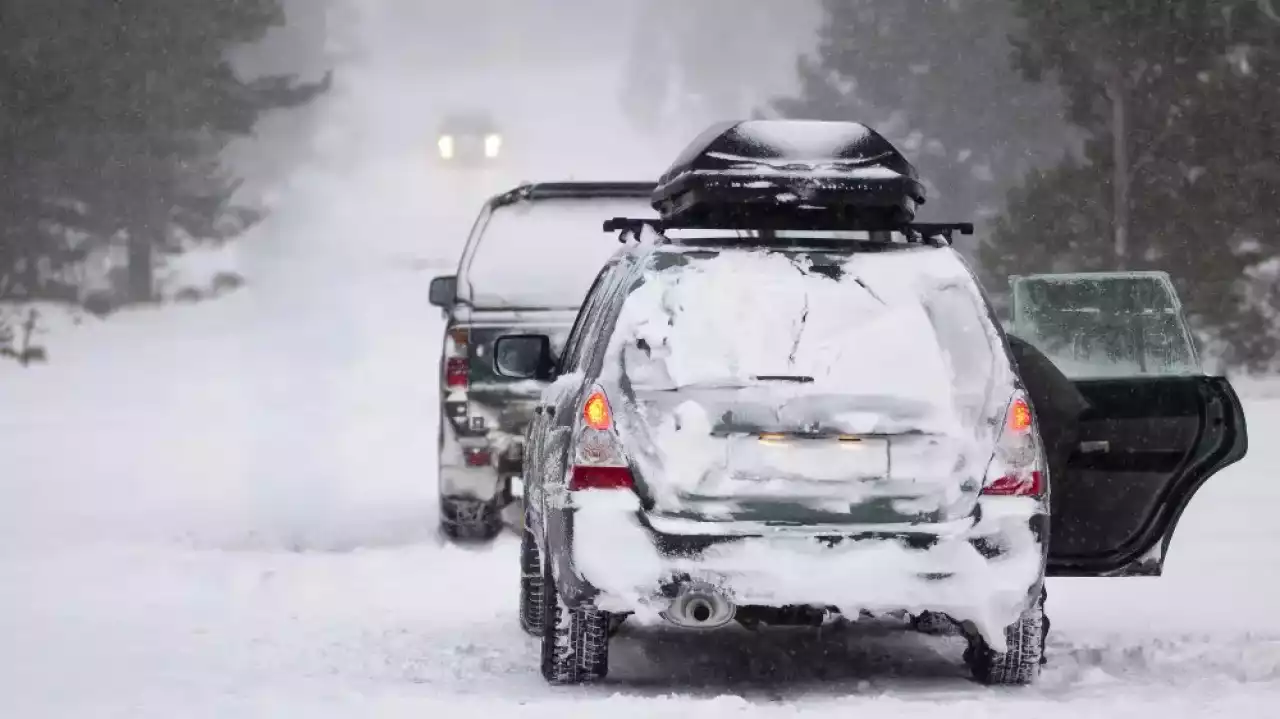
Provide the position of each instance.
(444, 291)
(524, 357)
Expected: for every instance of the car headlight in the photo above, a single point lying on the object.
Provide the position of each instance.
(445, 143)
(492, 145)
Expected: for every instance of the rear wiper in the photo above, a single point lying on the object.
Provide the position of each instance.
(800, 378)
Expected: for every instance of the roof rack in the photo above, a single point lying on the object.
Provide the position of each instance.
(922, 232)
(572, 190)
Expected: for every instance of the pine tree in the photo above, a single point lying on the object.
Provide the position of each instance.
(1181, 171)
(115, 113)
(936, 79)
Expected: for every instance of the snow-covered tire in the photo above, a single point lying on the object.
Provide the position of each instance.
(531, 606)
(1020, 663)
(469, 520)
(575, 642)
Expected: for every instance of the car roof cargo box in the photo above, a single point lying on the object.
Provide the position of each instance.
(800, 174)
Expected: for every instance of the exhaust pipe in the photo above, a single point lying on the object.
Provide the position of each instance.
(700, 606)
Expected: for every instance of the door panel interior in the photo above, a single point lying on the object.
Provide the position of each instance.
(1145, 446)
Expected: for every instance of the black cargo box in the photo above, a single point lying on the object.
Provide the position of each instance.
(793, 173)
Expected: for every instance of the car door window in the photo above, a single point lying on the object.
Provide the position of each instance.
(570, 358)
(1106, 324)
(603, 321)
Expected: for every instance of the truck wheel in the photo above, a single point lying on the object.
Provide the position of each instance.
(1020, 663)
(466, 519)
(531, 611)
(575, 642)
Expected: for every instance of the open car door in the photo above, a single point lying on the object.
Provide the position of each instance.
(1157, 429)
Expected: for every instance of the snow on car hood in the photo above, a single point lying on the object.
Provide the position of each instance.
(766, 341)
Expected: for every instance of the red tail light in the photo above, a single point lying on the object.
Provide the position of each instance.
(589, 477)
(599, 461)
(456, 373)
(1015, 485)
(1017, 467)
(457, 352)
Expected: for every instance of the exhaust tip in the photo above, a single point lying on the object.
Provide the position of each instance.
(700, 611)
(700, 606)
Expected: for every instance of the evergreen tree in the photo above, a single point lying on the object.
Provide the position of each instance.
(936, 79)
(113, 117)
(1181, 171)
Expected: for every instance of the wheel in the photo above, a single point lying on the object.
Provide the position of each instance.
(575, 642)
(531, 612)
(465, 519)
(1020, 663)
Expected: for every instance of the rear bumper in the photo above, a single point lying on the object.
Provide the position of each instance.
(607, 552)
(476, 466)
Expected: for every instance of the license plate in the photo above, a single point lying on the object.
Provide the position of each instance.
(811, 459)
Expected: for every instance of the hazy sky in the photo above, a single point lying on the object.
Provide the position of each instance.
(551, 70)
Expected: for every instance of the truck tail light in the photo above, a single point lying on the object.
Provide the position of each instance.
(457, 358)
(457, 374)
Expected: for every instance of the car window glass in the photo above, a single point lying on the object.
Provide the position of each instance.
(963, 335)
(603, 323)
(569, 361)
(1098, 325)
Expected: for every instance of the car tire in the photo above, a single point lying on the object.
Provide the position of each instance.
(1020, 664)
(531, 594)
(575, 642)
(469, 520)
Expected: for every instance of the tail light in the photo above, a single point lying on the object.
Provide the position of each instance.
(1017, 467)
(598, 459)
(476, 457)
(457, 351)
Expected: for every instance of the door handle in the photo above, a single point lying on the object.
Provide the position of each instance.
(1097, 445)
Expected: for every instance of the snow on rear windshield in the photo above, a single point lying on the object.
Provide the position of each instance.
(546, 253)
(901, 323)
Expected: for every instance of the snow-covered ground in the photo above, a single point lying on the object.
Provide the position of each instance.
(226, 510)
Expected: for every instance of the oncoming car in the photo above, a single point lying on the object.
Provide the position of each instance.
(785, 401)
(470, 138)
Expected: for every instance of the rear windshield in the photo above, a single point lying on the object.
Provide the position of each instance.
(546, 253)
(908, 323)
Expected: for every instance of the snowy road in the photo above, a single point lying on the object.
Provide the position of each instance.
(212, 511)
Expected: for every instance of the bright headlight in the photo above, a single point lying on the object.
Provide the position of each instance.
(492, 145)
(445, 144)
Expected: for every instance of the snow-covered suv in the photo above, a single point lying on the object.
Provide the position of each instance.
(777, 426)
